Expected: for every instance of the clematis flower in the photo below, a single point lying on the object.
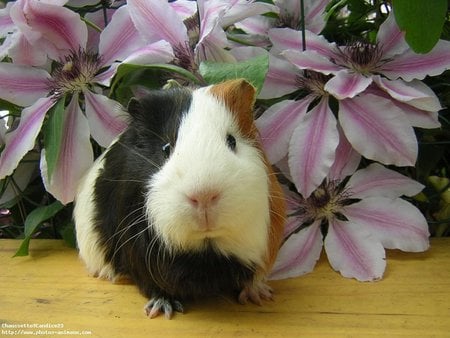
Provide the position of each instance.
(78, 79)
(354, 223)
(377, 120)
(357, 65)
(195, 38)
(289, 15)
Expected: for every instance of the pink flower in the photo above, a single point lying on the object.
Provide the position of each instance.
(289, 15)
(194, 38)
(76, 77)
(354, 222)
(358, 65)
(376, 115)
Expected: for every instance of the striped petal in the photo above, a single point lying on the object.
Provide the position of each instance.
(119, 38)
(22, 85)
(291, 39)
(376, 180)
(415, 93)
(311, 60)
(391, 38)
(347, 84)
(22, 139)
(24, 53)
(396, 223)
(281, 79)
(59, 25)
(410, 65)
(416, 117)
(277, 124)
(74, 158)
(312, 148)
(299, 254)
(346, 160)
(354, 252)
(151, 19)
(157, 52)
(107, 118)
(378, 130)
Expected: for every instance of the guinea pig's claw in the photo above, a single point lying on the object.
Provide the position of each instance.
(159, 305)
(255, 293)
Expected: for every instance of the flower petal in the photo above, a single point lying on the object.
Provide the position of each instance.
(312, 148)
(119, 38)
(281, 79)
(75, 156)
(347, 84)
(23, 53)
(240, 10)
(259, 25)
(391, 38)
(346, 160)
(277, 124)
(291, 39)
(416, 117)
(415, 93)
(22, 85)
(315, 15)
(410, 66)
(311, 60)
(106, 117)
(299, 254)
(22, 139)
(376, 180)
(157, 52)
(59, 25)
(151, 20)
(396, 223)
(184, 8)
(378, 130)
(354, 252)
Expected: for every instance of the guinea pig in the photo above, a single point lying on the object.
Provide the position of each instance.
(184, 203)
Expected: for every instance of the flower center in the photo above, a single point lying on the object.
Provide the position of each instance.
(326, 201)
(361, 56)
(74, 73)
(313, 83)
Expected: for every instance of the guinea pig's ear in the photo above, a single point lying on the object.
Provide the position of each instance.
(239, 96)
(134, 107)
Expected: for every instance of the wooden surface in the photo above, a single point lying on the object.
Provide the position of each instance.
(50, 288)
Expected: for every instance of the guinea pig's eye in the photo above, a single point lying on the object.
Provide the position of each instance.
(167, 149)
(231, 142)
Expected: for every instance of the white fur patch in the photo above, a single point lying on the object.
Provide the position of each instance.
(202, 161)
(90, 248)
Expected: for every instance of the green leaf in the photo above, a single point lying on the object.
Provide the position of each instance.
(422, 22)
(53, 135)
(126, 68)
(253, 70)
(34, 219)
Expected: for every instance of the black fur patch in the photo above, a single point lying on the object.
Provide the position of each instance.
(119, 195)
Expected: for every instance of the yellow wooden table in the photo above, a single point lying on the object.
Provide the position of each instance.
(50, 291)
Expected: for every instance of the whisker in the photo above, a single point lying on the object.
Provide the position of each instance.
(140, 155)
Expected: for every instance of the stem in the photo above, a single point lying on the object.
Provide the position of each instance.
(91, 24)
(302, 23)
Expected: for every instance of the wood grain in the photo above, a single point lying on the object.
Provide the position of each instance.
(51, 287)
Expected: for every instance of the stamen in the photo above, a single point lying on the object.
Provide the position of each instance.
(361, 56)
(313, 82)
(74, 73)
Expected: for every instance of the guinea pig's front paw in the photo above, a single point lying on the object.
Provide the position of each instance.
(158, 305)
(256, 293)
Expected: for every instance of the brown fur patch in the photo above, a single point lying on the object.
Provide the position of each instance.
(239, 97)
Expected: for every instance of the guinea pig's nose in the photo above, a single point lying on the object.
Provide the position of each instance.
(203, 199)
